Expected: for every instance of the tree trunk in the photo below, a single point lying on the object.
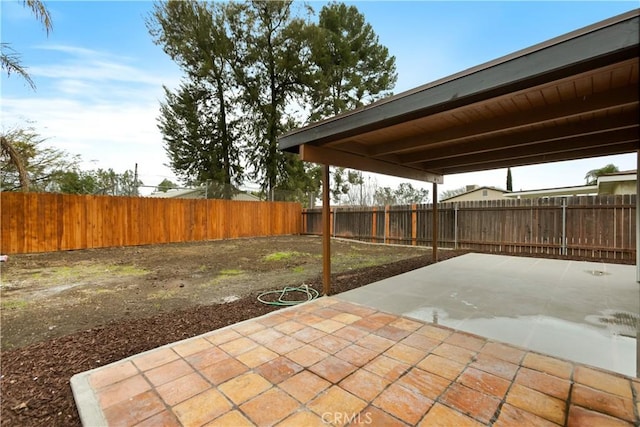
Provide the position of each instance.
(14, 157)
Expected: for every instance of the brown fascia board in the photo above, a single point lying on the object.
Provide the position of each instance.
(603, 43)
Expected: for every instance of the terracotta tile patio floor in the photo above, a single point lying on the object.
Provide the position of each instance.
(331, 362)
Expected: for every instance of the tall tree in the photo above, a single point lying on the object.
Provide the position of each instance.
(592, 176)
(197, 120)
(351, 67)
(271, 62)
(509, 180)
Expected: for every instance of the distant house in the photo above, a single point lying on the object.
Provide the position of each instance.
(188, 193)
(475, 193)
(199, 193)
(611, 183)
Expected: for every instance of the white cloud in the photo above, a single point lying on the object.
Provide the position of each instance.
(98, 105)
(94, 66)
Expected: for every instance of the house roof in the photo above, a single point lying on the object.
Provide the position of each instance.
(604, 184)
(574, 96)
(175, 193)
(473, 190)
(576, 190)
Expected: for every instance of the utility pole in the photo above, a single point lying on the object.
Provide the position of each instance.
(135, 180)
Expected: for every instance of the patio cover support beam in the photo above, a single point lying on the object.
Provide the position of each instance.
(327, 156)
(326, 233)
(434, 244)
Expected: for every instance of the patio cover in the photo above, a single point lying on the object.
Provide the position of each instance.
(571, 97)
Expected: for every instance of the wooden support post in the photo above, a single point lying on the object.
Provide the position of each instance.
(326, 233)
(414, 224)
(435, 223)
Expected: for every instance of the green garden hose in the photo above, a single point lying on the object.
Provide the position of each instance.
(281, 301)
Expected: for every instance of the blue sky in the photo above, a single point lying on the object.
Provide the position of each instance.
(99, 76)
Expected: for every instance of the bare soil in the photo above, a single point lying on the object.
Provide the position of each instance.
(68, 312)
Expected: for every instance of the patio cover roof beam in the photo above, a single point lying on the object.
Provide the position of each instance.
(524, 142)
(596, 103)
(522, 154)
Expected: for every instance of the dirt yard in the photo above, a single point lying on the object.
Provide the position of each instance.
(54, 294)
(65, 313)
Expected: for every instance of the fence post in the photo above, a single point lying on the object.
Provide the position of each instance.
(304, 221)
(386, 223)
(414, 224)
(332, 212)
(564, 226)
(374, 225)
(455, 225)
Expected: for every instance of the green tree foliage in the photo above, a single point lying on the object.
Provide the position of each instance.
(452, 193)
(197, 120)
(41, 164)
(77, 182)
(271, 62)
(405, 194)
(251, 70)
(344, 180)
(165, 185)
(509, 180)
(351, 67)
(592, 176)
(99, 181)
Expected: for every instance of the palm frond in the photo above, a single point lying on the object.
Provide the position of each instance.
(10, 62)
(41, 13)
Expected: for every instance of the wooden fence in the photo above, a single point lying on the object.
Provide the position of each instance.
(45, 222)
(601, 227)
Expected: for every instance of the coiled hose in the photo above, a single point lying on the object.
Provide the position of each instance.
(310, 294)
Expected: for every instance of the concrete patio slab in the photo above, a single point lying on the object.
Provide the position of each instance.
(332, 362)
(587, 312)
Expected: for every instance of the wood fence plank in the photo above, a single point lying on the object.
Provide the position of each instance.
(44, 222)
(602, 227)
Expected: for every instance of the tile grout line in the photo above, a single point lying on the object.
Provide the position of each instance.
(498, 410)
(94, 414)
(452, 381)
(569, 394)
